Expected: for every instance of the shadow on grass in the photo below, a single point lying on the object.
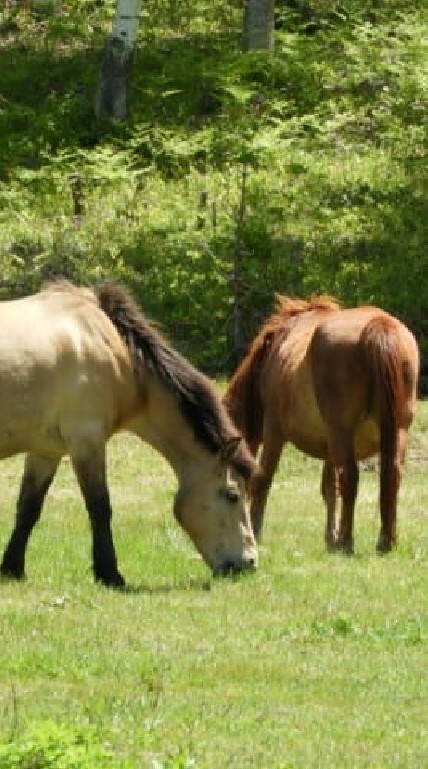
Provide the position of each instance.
(181, 585)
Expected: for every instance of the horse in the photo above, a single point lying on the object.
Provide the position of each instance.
(341, 386)
(78, 365)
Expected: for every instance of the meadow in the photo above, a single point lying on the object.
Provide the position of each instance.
(314, 661)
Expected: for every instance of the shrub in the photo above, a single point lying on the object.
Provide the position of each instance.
(47, 745)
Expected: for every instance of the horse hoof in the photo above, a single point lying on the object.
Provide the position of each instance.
(9, 576)
(346, 548)
(9, 572)
(111, 580)
(383, 547)
(331, 545)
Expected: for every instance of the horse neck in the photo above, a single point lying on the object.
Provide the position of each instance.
(235, 401)
(244, 403)
(161, 424)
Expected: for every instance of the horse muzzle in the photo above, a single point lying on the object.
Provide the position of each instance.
(236, 566)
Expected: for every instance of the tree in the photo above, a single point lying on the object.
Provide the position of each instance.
(258, 35)
(259, 25)
(117, 59)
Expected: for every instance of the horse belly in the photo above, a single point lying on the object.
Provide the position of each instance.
(40, 397)
(47, 442)
(27, 418)
(367, 439)
(305, 427)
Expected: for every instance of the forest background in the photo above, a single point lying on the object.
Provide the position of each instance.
(236, 174)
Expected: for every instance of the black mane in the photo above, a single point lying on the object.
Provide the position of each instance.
(195, 395)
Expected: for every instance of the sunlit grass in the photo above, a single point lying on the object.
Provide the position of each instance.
(316, 660)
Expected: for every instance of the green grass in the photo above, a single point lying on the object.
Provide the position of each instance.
(315, 661)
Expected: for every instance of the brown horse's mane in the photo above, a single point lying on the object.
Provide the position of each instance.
(194, 393)
(243, 397)
(288, 306)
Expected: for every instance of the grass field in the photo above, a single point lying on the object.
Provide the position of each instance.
(315, 661)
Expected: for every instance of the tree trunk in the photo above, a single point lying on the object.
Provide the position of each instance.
(238, 276)
(116, 63)
(259, 23)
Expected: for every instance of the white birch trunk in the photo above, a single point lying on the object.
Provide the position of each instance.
(259, 25)
(115, 67)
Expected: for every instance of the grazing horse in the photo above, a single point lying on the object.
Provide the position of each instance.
(339, 384)
(78, 365)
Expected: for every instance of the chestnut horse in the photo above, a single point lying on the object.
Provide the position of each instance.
(339, 384)
(77, 366)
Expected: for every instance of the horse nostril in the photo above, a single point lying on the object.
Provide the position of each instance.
(223, 569)
(231, 567)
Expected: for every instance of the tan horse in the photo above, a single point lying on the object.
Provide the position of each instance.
(77, 366)
(341, 385)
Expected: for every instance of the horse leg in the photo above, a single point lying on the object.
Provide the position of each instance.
(343, 458)
(329, 494)
(37, 477)
(390, 477)
(261, 484)
(90, 469)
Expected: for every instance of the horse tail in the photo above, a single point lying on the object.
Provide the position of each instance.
(380, 340)
(381, 343)
(243, 398)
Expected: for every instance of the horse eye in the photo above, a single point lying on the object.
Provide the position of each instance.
(231, 495)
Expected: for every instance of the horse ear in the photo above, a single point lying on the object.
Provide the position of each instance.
(228, 449)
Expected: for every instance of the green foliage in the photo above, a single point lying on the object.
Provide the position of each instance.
(330, 130)
(48, 745)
